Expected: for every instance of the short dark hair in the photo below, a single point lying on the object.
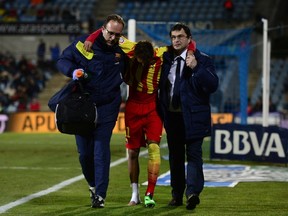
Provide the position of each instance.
(114, 17)
(179, 26)
(144, 50)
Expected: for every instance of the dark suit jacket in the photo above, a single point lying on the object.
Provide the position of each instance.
(195, 89)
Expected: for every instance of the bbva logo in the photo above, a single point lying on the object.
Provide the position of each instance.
(242, 142)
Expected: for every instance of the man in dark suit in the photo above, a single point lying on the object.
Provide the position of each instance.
(184, 101)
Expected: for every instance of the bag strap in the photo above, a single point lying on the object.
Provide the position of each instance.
(81, 87)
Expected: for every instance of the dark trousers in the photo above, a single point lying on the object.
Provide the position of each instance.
(181, 150)
(94, 157)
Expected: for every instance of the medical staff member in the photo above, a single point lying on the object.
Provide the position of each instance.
(101, 71)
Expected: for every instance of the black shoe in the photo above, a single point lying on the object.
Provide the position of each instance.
(192, 201)
(98, 202)
(92, 196)
(175, 202)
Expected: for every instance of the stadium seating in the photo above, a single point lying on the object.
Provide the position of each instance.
(157, 10)
(167, 11)
(48, 11)
(193, 10)
(20, 83)
(278, 77)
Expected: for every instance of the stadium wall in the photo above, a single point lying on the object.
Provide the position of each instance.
(44, 122)
(228, 140)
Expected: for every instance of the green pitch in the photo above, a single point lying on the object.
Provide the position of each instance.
(30, 163)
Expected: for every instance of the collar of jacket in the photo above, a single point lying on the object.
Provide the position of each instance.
(169, 57)
(100, 42)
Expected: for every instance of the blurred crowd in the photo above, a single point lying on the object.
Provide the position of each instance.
(20, 83)
(37, 10)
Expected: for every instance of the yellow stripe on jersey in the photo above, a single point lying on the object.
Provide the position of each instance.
(149, 82)
(80, 48)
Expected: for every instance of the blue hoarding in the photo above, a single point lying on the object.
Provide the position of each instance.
(249, 142)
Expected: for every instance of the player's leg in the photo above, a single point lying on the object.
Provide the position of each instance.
(133, 168)
(153, 130)
(134, 141)
(153, 168)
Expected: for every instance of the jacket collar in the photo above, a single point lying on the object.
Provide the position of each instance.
(100, 42)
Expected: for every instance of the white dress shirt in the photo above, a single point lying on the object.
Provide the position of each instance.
(172, 72)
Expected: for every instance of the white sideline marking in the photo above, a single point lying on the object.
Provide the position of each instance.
(59, 186)
(37, 168)
(54, 188)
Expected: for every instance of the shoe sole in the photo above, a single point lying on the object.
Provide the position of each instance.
(175, 205)
(192, 202)
(149, 205)
(97, 206)
(98, 202)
